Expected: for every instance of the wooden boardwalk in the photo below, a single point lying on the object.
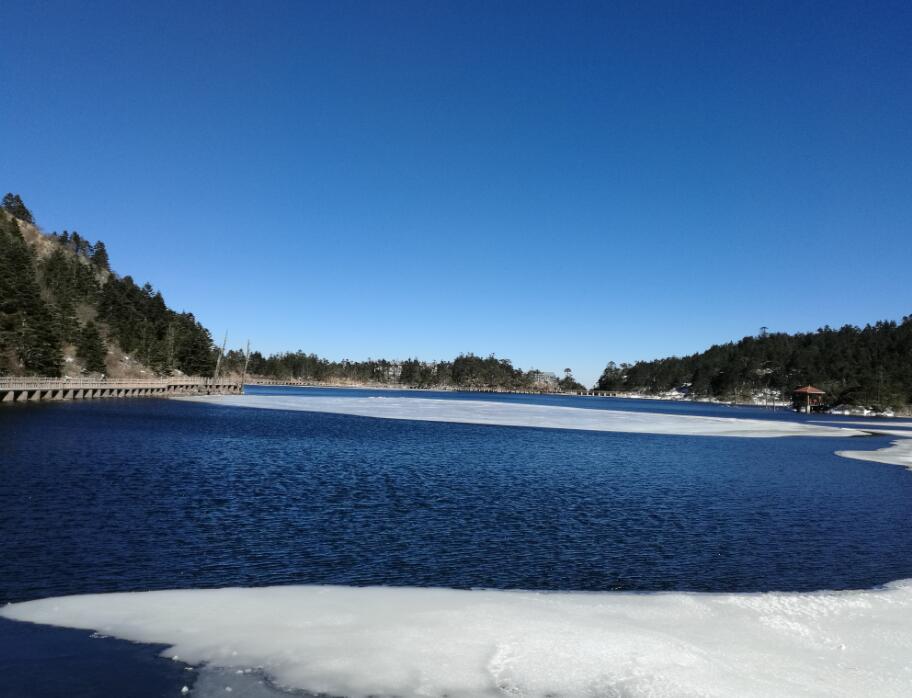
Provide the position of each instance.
(28, 388)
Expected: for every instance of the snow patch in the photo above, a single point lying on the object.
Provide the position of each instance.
(898, 453)
(358, 642)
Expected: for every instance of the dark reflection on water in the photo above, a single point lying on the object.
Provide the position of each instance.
(152, 494)
(38, 661)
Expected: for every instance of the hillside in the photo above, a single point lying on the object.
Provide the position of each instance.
(63, 311)
(869, 365)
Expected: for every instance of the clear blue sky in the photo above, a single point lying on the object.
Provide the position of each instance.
(562, 184)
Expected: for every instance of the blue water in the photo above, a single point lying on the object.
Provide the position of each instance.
(151, 494)
(125, 495)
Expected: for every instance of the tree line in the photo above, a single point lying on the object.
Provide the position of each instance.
(465, 372)
(68, 296)
(869, 365)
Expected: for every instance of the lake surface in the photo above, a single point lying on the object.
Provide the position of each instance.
(124, 495)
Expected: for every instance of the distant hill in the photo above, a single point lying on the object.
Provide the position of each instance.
(63, 311)
(869, 365)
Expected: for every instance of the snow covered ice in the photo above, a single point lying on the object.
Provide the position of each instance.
(527, 415)
(359, 642)
(898, 453)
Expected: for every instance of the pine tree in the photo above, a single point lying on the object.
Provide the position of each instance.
(14, 205)
(91, 349)
(65, 320)
(100, 256)
(29, 336)
(196, 356)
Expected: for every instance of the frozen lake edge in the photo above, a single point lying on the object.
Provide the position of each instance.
(486, 412)
(528, 415)
(356, 642)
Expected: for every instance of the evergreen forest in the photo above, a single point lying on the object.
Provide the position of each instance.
(60, 299)
(465, 372)
(869, 365)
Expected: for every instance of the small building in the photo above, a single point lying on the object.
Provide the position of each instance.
(543, 380)
(808, 399)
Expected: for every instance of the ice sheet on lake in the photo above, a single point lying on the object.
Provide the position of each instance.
(527, 415)
(870, 423)
(898, 453)
(356, 642)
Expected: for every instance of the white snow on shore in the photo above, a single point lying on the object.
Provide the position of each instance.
(527, 415)
(357, 642)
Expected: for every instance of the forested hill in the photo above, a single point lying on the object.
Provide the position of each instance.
(63, 311)
(869, 365)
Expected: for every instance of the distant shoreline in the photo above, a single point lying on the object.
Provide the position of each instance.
(771, 405)
(504, 391)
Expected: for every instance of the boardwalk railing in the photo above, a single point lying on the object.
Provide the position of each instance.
(27, 388)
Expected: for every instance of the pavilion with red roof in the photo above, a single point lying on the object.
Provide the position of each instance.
(807, 398)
